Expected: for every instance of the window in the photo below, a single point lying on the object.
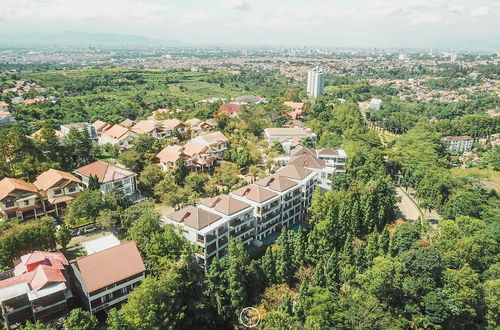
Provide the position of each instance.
(9, 203)
(27, 203)
(72, 189)
(57, 191)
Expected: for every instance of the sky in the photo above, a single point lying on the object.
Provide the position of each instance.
(332, 23)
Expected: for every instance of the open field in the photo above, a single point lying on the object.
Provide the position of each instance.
(489, 177)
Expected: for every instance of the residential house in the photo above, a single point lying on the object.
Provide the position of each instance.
(175, 125)
(200, 157)
(458, 143)
(6, 117)
(230, 109)
(152, 128)
(20, 199)
(35, 290)
(170, 157)
(111, 177)
(128, 123)
(196, 125)
(101, 126)
(4, 106)
(56, 188)
(38, 136)
(105, 279)
(117, 135)
(297, 110)
(65, 129)
(216, 141)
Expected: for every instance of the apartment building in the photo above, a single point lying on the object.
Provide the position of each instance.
(315, 82)
(56, 188)
(111, 177)
(210, 224)
(326, 162)
(36, 289)
(250, 214)
(105, 279)
(19, 199)
(458, 143)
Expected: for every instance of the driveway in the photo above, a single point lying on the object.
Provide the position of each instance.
(407, 210)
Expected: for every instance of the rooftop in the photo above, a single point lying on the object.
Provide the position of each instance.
(225, 204)
(194, 217)
(105, 172)
(109, 266)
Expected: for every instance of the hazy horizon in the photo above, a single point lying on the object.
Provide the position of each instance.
(330, 23)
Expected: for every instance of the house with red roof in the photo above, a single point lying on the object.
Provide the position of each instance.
(230, 109)
(36, 289)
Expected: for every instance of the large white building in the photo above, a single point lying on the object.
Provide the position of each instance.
(249, 214)
(315, 82)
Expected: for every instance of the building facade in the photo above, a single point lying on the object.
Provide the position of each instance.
(36, 289)
(105, 279)
(315, 82)
(111, 177)
(458, 143)
(250, 214)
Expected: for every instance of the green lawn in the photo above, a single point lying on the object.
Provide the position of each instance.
(490, 177)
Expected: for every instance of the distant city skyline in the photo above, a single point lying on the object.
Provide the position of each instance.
(331, 23)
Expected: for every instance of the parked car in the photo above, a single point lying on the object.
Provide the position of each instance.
(89, 229)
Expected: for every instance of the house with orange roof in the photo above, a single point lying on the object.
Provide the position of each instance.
(37, 289)
(101, 126)
(297, 111)
(117, 135)
(105, 279)
(19, 199)
(170, 157)
(57, 188)
(196, 124)
(111, 177)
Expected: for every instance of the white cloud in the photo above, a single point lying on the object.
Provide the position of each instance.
(199, 16)
(480, 11)
(88, 10)
(234, 4)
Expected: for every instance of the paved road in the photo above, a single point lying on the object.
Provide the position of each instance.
(406, 207)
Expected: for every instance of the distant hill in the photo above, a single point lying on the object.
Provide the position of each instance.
(81, 38)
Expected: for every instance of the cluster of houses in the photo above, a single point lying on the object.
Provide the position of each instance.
(22, 88)
(50, 192)
(199, 154)
(256, 211)
(44, 285)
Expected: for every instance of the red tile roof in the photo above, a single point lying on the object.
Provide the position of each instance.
(105, 172)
